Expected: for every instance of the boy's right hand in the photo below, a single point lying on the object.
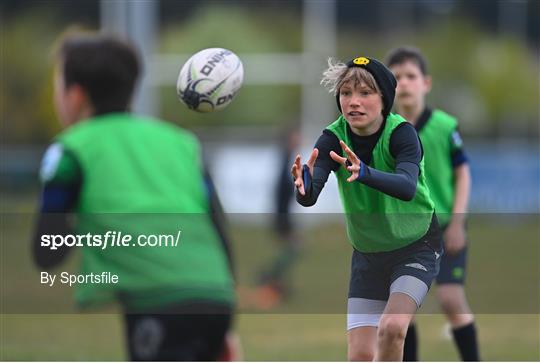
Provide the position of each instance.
(297, 170)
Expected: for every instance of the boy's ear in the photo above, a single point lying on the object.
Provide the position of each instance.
(427, 82)
(79, 93)
(78, 97)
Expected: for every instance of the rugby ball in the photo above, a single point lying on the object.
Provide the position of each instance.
(210, 79)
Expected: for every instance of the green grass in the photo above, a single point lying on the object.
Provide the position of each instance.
(277, 337)
(503, 289)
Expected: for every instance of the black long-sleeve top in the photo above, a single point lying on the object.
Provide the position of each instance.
(405, 147)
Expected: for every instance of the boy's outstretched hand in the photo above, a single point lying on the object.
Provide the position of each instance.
(354, 162)
(297, 170)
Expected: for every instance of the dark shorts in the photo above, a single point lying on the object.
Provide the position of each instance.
(372, 274)
(453, 268)
(188, 332)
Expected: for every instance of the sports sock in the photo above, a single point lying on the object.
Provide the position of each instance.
(465, 338)
(410, 348)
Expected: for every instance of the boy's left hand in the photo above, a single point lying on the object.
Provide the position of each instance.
(454, 238)
(354, 162)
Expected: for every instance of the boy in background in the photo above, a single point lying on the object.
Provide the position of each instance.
(448, 178)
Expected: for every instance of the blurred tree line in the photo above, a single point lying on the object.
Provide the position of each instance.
(490, 82)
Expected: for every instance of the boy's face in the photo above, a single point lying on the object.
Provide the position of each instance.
(412, 85)
(361, 107)
(69, 102)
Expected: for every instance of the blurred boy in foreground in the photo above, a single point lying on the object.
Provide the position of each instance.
(116, 171)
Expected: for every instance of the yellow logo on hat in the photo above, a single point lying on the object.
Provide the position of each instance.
(361, 61)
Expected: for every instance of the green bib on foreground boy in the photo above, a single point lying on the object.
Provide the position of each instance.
(377, 222)
(118, 198)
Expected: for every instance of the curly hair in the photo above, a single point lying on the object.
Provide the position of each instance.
(338, 74)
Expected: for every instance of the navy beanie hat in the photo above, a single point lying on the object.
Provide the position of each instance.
(383, 76)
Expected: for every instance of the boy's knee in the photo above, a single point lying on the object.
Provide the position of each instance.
(392, 329)
(450, 308)
(452, 304)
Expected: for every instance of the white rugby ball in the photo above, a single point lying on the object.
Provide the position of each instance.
(210, 79)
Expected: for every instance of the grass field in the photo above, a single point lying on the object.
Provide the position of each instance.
(276, 337)
(503, 288)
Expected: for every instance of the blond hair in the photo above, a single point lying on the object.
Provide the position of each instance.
(338, 74)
